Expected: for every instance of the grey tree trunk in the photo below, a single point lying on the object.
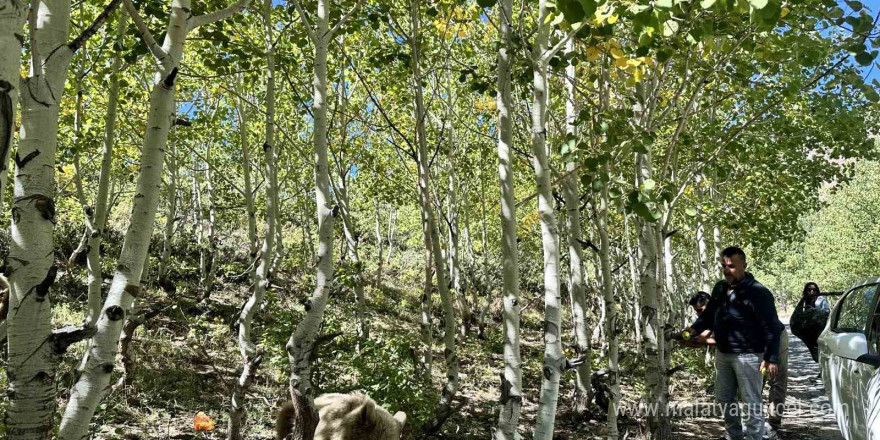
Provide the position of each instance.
(575, 251)
(554, 360)
(511, 376)
(32, 361)
(651, 314)
(251, 356)
(612, 372)
(12, 19)
(299, 347)
(431, 232)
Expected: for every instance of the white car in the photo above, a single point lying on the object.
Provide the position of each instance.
(849, 356)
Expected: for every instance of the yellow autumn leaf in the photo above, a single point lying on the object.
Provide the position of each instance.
(617, 53)
(612, 19)
(784, 12)
(462, 34)
(638, 75)
(620, 63)
(593, 53)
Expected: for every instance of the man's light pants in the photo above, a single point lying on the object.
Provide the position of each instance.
(740, 374)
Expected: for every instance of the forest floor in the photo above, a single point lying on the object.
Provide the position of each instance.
(808, 415)
(187, 363)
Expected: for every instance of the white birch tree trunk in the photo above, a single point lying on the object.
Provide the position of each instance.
(651, 314)
(12, 19)
(431, 232)
(170, 219)
(484, 241)
(453, 230)
(380, 241)
(299, 346)
(102, 208)
(511, 376)
(703, 256)
(251, 357)
(101, 353)
(554, 360)
(634, 284)
(32, 361)
(341, 189)
(716, 237)
(246, 175)
(575, 250)
(611, 314)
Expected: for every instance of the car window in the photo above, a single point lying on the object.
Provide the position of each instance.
(854, 310)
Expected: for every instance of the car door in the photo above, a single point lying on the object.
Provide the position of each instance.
(870, 374)
(845, 360)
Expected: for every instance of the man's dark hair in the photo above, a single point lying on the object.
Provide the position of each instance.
(730, 251)
(699, 299)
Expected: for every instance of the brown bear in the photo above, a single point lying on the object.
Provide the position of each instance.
(343, 417)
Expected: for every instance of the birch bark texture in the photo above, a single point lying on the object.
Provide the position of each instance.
(251, 357)
(100, 356)
(299, 346)
(430, 230)
(12, 19)
(651, 313)
(32, 361)
(511, 376)
(575, 250)
(554, 360)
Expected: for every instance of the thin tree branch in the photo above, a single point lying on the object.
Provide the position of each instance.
(205, 19)
(146, 35)
(93, 28)
(310, 31)
(344, 19)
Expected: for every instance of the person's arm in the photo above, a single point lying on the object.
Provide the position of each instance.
(765, 309)
(822, 304)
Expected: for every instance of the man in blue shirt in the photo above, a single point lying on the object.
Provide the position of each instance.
(742, 318)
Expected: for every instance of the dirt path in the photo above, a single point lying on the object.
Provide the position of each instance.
(808, 415)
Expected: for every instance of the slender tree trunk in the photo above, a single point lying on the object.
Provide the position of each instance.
(431, 232)
(209, 249)
(651, 314)
(613, 372)
(458, 287)
(352, 243)
(299, 347)
(170, 219)
(12, 18)
(251, 356)
(352, 238)
(634, 285)
(90, 229)
(716, 238)
(380, 240)
(253, 248)
(32, 361)
(484, 241)
(554, 360)
(102, 207)
(575, 251)
(511, 376)
(426, 356)
(103, 346)
(392, 228)
(703, 256)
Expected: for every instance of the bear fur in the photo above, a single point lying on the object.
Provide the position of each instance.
(347, 417)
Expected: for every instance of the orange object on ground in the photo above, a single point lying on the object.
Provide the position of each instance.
(203, 423)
